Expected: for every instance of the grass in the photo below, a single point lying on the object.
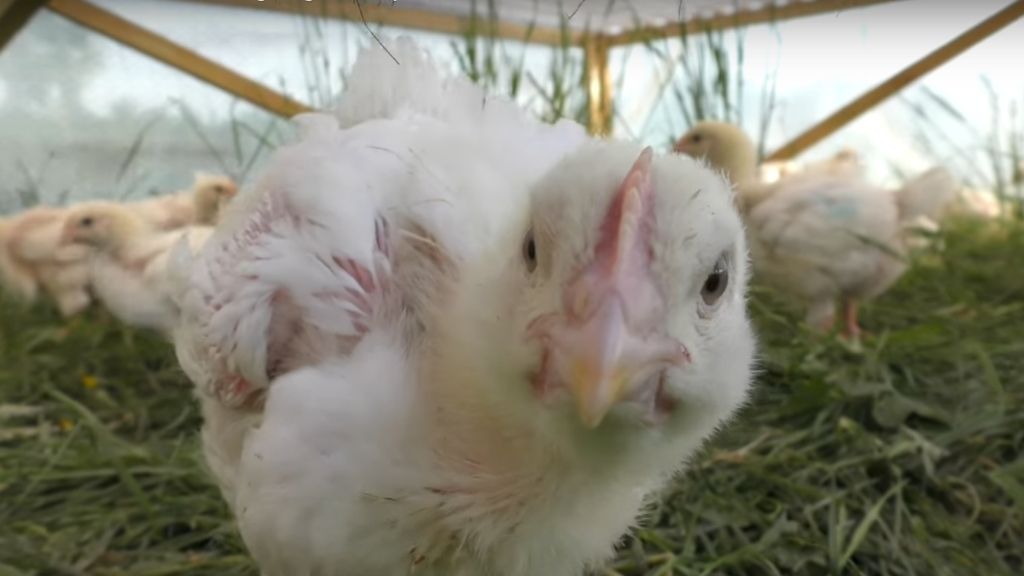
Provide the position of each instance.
(903, 458)
(99, 470)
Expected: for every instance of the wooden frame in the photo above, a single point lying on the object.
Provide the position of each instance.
(899, 81)
(765, 15)
(14, 14)
(596, 46)
(392, 14)
(158, 47)
(600, 101)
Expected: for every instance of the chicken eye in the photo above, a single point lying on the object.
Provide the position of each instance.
(530, 251)
(86, 222)
(715, 284)
(218, 189)
(696, 138)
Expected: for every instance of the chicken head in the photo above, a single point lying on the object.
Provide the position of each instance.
(635, 270)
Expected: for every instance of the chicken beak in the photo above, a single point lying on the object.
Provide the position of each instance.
(610, 343)
(596, 376)
(606, 362)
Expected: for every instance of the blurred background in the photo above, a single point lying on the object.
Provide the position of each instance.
(78, 122)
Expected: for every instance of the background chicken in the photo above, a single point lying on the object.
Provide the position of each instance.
(32, 260)
(33, 257)
(844, 161)
(17, 278)
(200, 204)
(128, 270)
(406, 360)
(824, 233)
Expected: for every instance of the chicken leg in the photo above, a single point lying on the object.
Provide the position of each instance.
(821, 315)
(851, 329)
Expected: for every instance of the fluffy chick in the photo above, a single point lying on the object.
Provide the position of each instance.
(32, 259)
(211, 194)
(200, 205)
(129, 264)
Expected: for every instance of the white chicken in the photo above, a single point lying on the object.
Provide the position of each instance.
(128, 271)
(198, 205)
(407, 361)
(823, 234)
(845, 161)
(31, 259)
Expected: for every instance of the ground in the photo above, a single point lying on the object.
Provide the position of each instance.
(902, 457)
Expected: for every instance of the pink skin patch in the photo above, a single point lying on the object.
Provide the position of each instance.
(237, 386)
(607, 340)
(289, 330)
(237, 392)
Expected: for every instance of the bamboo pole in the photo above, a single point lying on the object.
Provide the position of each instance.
(175, 55)
(767, 14)
(900, 80)
(599, 85)
(392, 14)
(14, 15)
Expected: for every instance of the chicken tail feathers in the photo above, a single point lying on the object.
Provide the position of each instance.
(927, 196)
(399, 78)
(390, 77)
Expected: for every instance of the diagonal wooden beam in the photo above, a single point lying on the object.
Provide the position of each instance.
(764, 15)
(600, 100)
(394, 14)
(14, 14)
(175, 55)
(900, 80)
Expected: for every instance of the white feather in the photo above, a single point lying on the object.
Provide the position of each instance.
(144, 296)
